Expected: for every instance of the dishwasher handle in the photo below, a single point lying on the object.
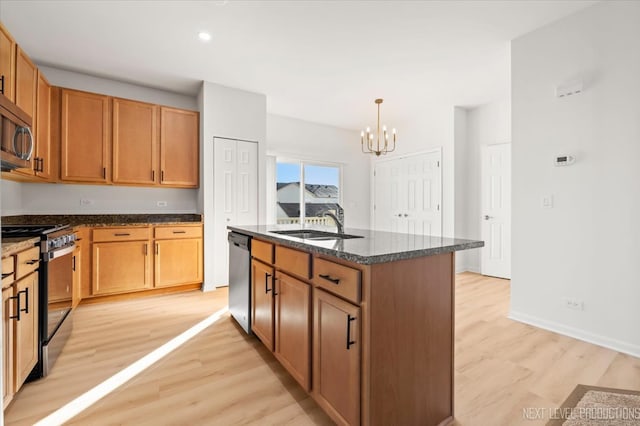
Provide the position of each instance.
(240, 240)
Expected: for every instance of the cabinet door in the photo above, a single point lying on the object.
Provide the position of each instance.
(26, 83)
(178, 262)
(84, 137)
(76, 265)
(26, 331)
(262, 302)
(179, 147)
(135, 141)
(293, 327)
(8, 309)
(43, 151)
(121, 267)
(336, 357)
(7, 63)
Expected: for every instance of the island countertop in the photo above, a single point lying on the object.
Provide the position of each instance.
(374, 247)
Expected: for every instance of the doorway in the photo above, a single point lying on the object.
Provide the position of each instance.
(496, 210)
(408, 194)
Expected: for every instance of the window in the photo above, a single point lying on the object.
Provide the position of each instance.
(318, 193)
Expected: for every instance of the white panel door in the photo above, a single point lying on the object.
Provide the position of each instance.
(408, 195)
(247, 183)
(496, 210)
(236, 197)
(424, 193)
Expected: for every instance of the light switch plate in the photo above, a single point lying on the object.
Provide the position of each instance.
(547, 201)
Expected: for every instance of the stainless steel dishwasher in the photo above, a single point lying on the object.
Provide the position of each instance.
(240, 279)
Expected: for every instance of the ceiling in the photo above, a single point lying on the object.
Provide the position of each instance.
(322, 61)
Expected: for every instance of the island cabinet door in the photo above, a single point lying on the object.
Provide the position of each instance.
(336, 357)
(262, 302)
(293, 327)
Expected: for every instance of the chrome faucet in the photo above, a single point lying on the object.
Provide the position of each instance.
(336, 220)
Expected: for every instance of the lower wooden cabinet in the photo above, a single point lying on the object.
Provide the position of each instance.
(293, 327)
(336, 357)
(8, 388)
(262, 302)
(26, 327)
(178, 262)
(121, 267)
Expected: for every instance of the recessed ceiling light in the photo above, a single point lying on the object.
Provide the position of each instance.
(204, 36)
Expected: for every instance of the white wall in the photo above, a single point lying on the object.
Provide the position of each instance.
(461, 196)
(234, 114)
(32, 198)
(431, 128)
(487, 124)
(588, 245)
(305, 140)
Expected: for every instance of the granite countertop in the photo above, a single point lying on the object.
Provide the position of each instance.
(104, 219)
(14, 245)
(375, 247)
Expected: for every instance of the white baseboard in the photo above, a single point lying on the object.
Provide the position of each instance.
(596, 339)
(465, 268)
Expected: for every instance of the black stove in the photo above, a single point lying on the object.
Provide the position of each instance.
(55, 280)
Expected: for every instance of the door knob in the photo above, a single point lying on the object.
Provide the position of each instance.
(487, 217)
(405, 215)
(399, 214)
(228, 220)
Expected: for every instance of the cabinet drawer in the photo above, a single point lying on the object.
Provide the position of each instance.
(7, 271)
(121, 234)
(171, 232)
(337, 279)
(261, 250)
(27, 262)
(293, 261)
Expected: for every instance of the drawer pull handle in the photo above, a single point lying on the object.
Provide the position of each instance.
(8, 274)
(17, 315)
(26, 300)
(336, 281)
(31, 262)
(179, 232)
(349, 341)
(266, 283)
(123, 234)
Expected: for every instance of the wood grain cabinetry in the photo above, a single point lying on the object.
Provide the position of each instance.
(7, 63)
(26, 331)
(179, 147)
(8, 388)
(121, 265)
(134, 142)
(178, 255)
(43, 156)
(381, 335)
(293, 327)
(84, 137)
(262, 320)
(336, 357)
(26, 83)
(19, 321)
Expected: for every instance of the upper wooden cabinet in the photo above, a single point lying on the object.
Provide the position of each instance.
(135, 142)
(26, 83)
(84, 137)
(179, 147)
(7, 64)
(43, 152)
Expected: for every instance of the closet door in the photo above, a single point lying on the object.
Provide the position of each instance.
(236, 196)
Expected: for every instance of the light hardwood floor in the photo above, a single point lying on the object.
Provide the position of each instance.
(224, 377)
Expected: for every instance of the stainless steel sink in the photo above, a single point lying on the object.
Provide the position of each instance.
(313, 234)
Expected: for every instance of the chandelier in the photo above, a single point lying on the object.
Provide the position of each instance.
(377, 147)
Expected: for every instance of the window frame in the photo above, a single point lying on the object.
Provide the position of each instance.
(301, 163)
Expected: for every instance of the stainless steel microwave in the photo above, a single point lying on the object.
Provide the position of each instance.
(16, 138)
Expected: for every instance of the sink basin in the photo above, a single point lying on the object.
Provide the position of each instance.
(312, 234)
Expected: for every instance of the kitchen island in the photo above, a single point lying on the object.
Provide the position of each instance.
(365, 324)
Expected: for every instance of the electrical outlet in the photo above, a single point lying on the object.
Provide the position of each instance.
(86, 202)
(575, 304)
(547, 201)
(162, 204)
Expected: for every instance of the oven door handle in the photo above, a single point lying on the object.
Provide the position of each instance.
(59, 253)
